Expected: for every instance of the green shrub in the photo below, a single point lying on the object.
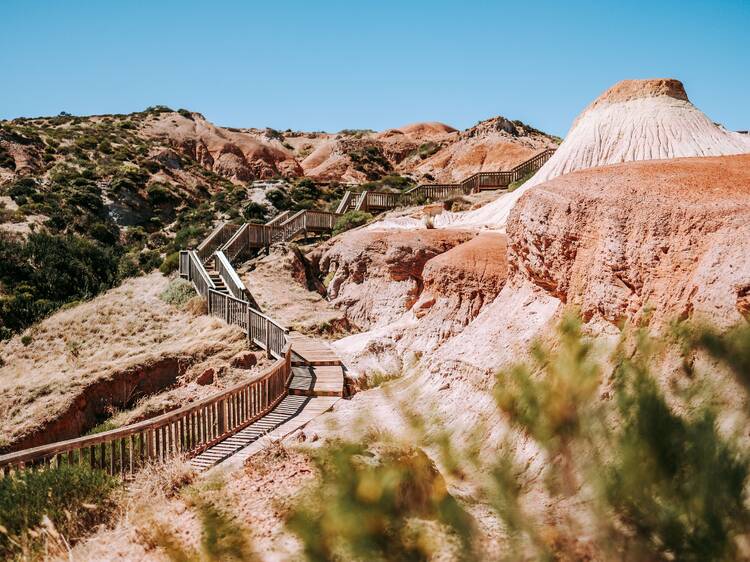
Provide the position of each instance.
(45, 271)
(148, 260)
(279, 199)
(26, 340)
(350, 220)
(170, 263)
(428, 149)
(178, 292)
(6, 160)
(159, 194)
(73, 498)
(255, 212)
(368, 502)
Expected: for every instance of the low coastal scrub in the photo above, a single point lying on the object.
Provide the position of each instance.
(350, 220)
(52, 505)
(178, 293)
(652, 478)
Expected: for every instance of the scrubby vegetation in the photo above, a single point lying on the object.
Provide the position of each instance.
(46, 271)
(638, 475)
(178, 293)
(51, 505)
(350, 220)
(650, 479)
(115, 201)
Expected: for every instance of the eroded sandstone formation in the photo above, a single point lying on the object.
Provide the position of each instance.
(376, 276)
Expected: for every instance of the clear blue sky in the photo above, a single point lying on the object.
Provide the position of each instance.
(333, 65)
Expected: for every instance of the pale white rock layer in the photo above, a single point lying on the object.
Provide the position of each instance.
(651, 128)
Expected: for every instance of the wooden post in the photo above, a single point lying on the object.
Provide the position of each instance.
(268, 339)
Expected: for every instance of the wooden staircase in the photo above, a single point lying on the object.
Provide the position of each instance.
(217, 280)
(305, 380)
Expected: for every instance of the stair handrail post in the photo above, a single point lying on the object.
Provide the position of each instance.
(268, 339)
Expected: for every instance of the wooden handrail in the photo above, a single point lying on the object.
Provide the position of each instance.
(345, 203)
(229, 275)
(192, 269)
(186, 430)
(278, 219)
(234, 246)
(218, 237)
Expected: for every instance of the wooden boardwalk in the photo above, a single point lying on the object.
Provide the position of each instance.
(293, 413)
(316, 383)
(311, 352)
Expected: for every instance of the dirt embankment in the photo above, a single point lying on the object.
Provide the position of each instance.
(124, 349)
(656, 241)
(670, 237)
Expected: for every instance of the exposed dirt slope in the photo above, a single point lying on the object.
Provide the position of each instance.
(87, 361)
(376, 276)
(665, 238)
(230, 153)
(431, 152)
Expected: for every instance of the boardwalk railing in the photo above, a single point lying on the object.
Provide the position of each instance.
(382, 200)
(236, 244)
(278, 219)
(217, 238)
(189, 430)
(229, 275)
(345, 204)
(192, 269)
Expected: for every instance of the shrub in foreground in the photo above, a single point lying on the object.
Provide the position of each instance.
(68, 501)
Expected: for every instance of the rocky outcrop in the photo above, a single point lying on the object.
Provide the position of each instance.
(670, 237)
(491, 145)
(432, 152)
(376, 276)
(457, 284)
(646, 242)
(640, 120)
(232, 154)
(632, 121)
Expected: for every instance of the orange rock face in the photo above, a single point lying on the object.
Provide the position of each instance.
(474, 271)
(670, 235)
(376, 276)
(457, 284)
(231, 154)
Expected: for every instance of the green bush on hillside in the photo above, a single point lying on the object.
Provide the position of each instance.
(6, 160)
(171, 263)
(72, 498)
(350, 220)
(255, 212)
(45, 271)
(178, 292)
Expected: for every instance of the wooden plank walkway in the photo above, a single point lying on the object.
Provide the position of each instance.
(317, 383)
(321, 380)
(309, 409)
(311, 352)
(292, 413)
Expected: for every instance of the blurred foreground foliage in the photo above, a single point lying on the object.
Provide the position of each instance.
(623, 471)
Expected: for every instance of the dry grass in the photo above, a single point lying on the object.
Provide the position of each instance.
(152, 500)
(124, 328)
(162, 502)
